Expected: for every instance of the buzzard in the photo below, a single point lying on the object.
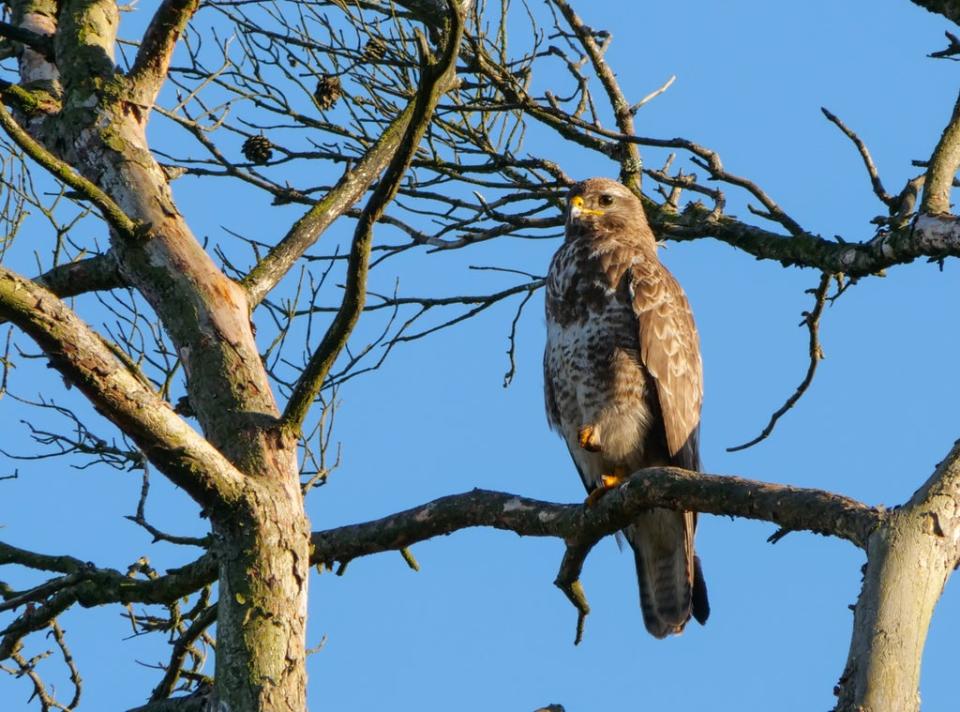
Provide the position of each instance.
(623, 382)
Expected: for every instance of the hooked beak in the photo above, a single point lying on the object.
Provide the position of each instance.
(577, 209)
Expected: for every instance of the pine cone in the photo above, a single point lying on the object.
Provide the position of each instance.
(374, 50)
(328, 92)
(258, 149)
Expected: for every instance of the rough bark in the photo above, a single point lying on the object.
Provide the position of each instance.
(95, 140)
(950, 9)
(943, 167)
(792, 508)
(263, 555)
(79, 117)
(909, 560)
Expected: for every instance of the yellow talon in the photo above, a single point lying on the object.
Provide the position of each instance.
(589, 439)
(611, 481)
(607, 483)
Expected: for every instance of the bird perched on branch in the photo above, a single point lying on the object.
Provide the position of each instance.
(623, 382)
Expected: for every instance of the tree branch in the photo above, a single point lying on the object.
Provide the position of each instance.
(149, 69)
(41, 43)
(631, 165)
(435, 78)
(93, 274)
(90, 586)
(111, 212)
(948, 8)
(934, 237)
(82, 357)
(792, 508)
(308, 229)
(180, 651)
(811, 320)
(943, 168)
(580, 527)
(909, 560)
(878, 189)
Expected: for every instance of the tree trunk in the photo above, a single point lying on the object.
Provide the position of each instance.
(264, 558)
(910, 556)
(260, 529)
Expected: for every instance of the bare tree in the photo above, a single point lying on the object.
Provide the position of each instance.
(420, 109)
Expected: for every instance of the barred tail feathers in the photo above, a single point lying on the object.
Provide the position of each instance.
(668, 573)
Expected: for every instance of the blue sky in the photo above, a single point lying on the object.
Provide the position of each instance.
(481, 626)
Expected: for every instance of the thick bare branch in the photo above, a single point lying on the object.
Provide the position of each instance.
(308, 229)
(89, 586)
(86, 361)
(111, 212)
(581, 527)
(943, 168)
(792, 508)
(92, 274)
(149, 69)
(909, 560)
(34, 40)
(948, 8)
(929, 236)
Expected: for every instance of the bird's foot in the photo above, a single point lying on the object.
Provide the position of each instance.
(607, 483)
(589, 438)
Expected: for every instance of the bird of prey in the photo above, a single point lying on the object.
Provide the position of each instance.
(623, 382)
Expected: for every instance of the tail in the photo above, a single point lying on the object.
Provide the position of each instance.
(668, 572)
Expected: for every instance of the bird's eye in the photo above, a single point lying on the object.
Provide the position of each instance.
(606, 200)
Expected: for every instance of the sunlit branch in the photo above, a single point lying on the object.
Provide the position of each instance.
(349, 189)
(943, 168)
(929, 238)
(581, 527)
(435, 78)
(111, 212)
(81, 356)
(149, 69)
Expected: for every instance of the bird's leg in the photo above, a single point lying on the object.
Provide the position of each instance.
(618, 476)
(589, 438)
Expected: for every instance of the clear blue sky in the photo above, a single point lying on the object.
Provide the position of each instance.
(481, 627)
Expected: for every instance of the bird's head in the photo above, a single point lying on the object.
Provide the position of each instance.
(600, 206)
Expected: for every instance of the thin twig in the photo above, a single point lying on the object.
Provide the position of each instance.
(875, 181)
(812, 321)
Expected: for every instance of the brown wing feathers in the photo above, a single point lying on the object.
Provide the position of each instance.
(670, 576)
(608, 295)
